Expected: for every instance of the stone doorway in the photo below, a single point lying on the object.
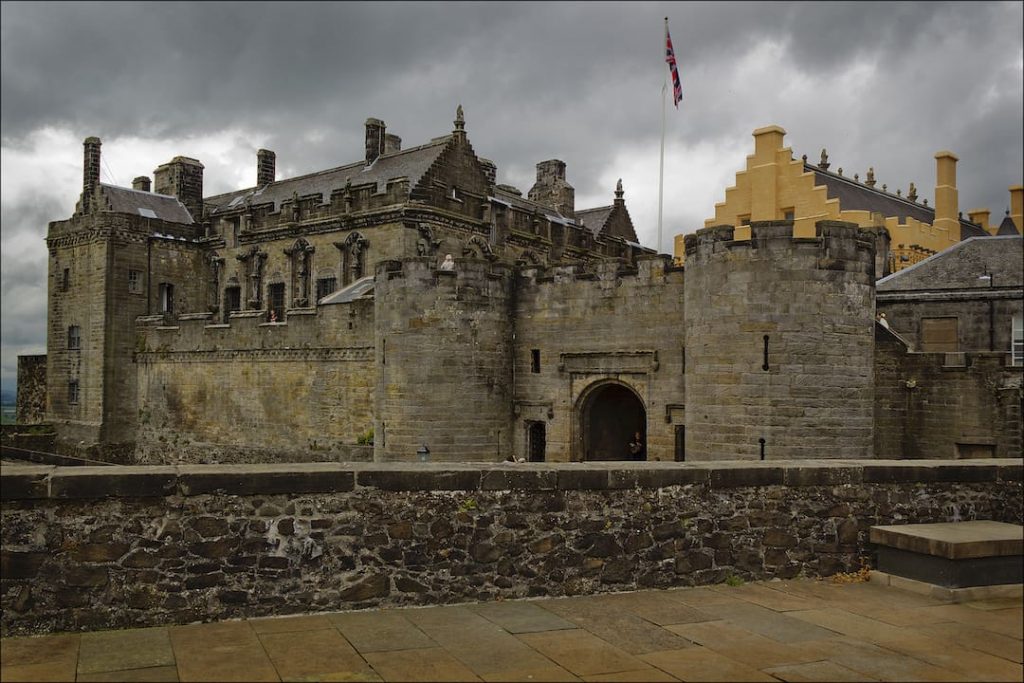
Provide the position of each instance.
(609, 416)
(536, 438)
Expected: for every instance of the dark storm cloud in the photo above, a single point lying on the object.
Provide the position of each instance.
(880, 84)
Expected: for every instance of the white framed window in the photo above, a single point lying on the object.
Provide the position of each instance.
(135, 281)
(1017, 341)
(73, 392)
(166, 293)
(74, 338)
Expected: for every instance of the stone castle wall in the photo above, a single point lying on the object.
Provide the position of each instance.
(811, 302)
(926, 407)
(443, 360)
(97, 548)
(31, 397)
(300, 389)
(590, 327)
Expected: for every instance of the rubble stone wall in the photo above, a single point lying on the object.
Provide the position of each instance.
(96, 548)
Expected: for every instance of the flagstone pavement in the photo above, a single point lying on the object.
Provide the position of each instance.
(801, 630)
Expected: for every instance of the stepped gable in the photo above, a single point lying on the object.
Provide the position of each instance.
(410, 163)
(148, 204)
(594, 219)
(960, 266)
(855, 196)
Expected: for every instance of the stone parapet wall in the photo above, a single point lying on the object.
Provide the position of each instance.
(31, 397)
(92, 548)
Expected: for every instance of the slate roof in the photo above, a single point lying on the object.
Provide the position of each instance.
(1007, 227)
(855, 196)
(148, 204)
(530, 206)
(410, 163)
(594, 219)
(345, 295)
(961, 265)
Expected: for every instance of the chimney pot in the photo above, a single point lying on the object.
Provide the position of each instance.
(266, 167)
(392, 144)
(375, 133)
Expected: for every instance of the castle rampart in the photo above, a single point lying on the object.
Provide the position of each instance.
(779, 342)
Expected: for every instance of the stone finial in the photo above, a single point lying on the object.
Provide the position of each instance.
(618, 189)
(960, 215)
(840, 170)
(804, 157)
(870, 180)
(460, 119)
(856, 177)
(912, 193)
(926, 202)
(823, 164)
(885, 188)
(899, 193)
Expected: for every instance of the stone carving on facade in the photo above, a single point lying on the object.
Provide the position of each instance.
(253, 260)
(295, 207)
(912, 193)
(477, 247)
(347, 196)
(823, 164)
(426, 243)
(300, 254)
(216, 263)
(353, 257)
(870, 181)
(530, 258)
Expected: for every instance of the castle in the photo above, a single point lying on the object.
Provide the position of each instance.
(311, 319)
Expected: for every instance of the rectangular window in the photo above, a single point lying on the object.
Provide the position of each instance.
(535, 360)
(744, 220)
(65, 282)
(939, 335)
(232, 301)
(325, 286)
(680, 452)
(74, 338)
(275, 300)
(788, 214)
(166, 293)
(1017, 341)
(135, 282)
(73, 392)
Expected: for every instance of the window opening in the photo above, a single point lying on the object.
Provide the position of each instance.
(65, 283)
(325, 286)
(74, 337)
(135, 282)
(232, 301)
(535, 360)
(536, 440)
(275, 297)
(680, 455)
(166, 293)
(73, 392)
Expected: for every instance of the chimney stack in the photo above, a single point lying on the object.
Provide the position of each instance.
(392, 144)
(141, 183)
(1017, 207)
(981, 217)
(552, 190)
(182, 177)
(375, 133)
(266, 167)
(90, 171)
(946, 200)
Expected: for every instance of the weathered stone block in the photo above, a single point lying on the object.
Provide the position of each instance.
(20, 565)
(374, 586)
(103, 482)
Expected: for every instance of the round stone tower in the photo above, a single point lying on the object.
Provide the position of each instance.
(444, 360)
(779, 343)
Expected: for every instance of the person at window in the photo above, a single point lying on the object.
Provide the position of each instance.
(449, 263)
(636, 447)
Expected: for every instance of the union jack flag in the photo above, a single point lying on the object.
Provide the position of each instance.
(670, 57)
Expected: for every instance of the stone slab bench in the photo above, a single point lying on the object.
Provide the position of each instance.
(954, 554)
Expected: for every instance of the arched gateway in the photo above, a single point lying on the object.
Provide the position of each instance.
(609, 416)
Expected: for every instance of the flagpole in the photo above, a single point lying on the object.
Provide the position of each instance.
(661, 168)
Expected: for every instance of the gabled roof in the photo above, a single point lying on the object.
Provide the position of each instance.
(410, 163)
(962, 267)
(594, 219)
(856, 196)
(1007, 227)
(148, 204)
(524, 204)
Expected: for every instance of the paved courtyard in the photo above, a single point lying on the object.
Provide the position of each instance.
(800, 630)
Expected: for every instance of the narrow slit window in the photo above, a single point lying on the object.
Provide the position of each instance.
(535, 360)
(65, 282)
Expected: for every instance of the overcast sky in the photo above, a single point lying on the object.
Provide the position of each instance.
(883, 85)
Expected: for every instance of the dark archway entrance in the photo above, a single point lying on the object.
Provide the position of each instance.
(610, 415)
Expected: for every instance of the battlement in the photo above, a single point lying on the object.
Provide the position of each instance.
(835, 240)
(649, 269)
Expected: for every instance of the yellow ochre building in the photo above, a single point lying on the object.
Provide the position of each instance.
(776, 186)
